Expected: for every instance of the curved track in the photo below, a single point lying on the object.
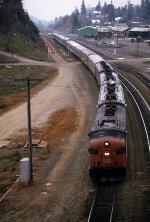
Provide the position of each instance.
(135, 72)
(144, 112)
(142, 105)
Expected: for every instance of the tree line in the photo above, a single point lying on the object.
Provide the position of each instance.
(128, 13)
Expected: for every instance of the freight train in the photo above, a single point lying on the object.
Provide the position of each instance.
(107, 137)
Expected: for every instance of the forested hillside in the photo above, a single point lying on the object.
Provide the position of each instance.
(17, 31)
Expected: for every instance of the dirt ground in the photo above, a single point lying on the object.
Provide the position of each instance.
(61, 115)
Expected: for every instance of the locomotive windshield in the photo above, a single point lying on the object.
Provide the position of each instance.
(101, 133)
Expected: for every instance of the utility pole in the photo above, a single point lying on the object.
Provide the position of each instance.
(12, 46)
(117, 39)
(29, 122)
(68, 49)
(137, 47)
(137, 44)
(29, 130)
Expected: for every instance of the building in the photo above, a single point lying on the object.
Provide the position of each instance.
(104, 32)
(120, 29)
(87, 31)
(95, 22)
(139, 32)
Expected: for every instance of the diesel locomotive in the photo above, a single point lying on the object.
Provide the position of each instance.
(107, 137)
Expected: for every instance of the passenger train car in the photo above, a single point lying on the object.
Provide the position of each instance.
(107, 137)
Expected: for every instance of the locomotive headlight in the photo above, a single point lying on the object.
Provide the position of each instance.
(106, 154)
(106, 143)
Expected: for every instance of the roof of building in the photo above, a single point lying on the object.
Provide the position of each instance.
(139, 29)
(96, 21)
(120, 27)
(118, 18)
(87, 31)
(96, 12)
(87, 27)
(105, 29)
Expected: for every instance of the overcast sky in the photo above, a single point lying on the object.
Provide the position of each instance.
(49, 9)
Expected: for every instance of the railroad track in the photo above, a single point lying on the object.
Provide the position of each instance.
(144, 111)
(103, 203)
(134, 72)
(142, 104)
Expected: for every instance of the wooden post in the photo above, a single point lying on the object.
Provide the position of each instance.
(29, 130)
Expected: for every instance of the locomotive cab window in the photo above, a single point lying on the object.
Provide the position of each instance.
(102, 133)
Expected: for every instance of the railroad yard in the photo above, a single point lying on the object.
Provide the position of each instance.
(62, 114)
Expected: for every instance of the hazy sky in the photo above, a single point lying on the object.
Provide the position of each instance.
(49, 9)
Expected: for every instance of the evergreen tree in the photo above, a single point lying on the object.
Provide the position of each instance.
(75, 23)
(104, 10)
(110, 12)
(124, 12)
(83, 8)
(130, 11)
(118, 12)
(145, 8)
(98, 7)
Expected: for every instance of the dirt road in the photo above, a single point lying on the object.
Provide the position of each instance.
(62, 186)
(59, 93)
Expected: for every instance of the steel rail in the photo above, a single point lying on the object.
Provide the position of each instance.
(135, 72)
(145, 128)
(135, 90)
(103, 203)
(113, 205)
(92, 207)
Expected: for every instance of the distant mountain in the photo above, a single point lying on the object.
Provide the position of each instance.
(39, 23)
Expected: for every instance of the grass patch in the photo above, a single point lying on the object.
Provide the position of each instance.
(5, 59)
(8, 162)
(14, 157)
(8, 74)
(4, 187)
(22, 45)
(147, 62)
(141, 55)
